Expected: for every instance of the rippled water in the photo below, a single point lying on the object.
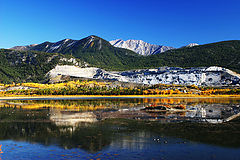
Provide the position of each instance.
(120, 129)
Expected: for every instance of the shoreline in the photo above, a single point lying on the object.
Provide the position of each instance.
(39, 97)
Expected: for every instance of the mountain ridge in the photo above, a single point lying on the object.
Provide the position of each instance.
(137, 46)
(93, 50)
(100, 53)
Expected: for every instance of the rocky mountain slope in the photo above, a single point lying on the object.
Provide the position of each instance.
(140, 47)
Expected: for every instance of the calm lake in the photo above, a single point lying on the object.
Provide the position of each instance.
(120, 128)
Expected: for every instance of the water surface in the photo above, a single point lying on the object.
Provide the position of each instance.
(120, 129)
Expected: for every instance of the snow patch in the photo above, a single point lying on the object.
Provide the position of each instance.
(55, 47)
(66, 40)
(70, 44)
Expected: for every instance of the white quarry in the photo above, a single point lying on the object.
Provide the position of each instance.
(206, 76)
(74, 71)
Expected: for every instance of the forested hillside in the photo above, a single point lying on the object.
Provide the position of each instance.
(100, 53)
(22, 66)
(225, 54)
(25, 66)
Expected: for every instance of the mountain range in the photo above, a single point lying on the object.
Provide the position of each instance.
(138, 46)
(31, 63)
(92, 49)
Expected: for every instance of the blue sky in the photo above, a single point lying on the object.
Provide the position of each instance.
(165, 22)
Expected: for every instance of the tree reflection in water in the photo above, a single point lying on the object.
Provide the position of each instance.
(95, 129)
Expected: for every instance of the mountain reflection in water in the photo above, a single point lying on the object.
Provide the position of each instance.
(95, 125)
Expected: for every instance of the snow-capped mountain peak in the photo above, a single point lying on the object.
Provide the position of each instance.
(140, 47)
(192, 45)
